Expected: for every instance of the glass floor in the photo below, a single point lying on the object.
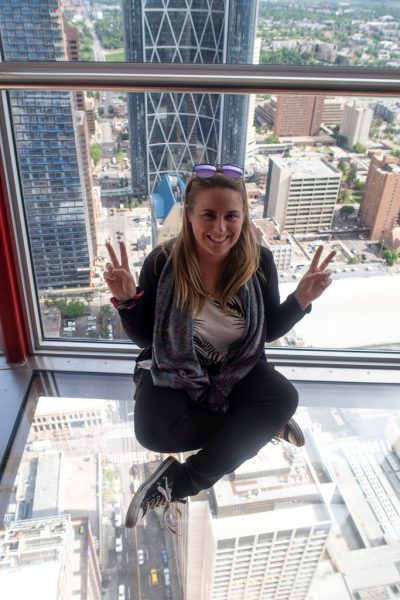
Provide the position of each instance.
(314, 523)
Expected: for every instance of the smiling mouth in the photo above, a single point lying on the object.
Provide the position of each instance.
(217, 241)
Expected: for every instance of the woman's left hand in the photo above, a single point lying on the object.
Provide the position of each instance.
(315, 280)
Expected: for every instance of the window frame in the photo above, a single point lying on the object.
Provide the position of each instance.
(70, 76)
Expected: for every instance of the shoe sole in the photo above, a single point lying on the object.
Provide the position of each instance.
(134, 507)
(298, 434)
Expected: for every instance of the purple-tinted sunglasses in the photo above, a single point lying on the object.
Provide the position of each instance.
(230, 170)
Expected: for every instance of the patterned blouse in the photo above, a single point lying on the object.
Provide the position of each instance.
(214, 330)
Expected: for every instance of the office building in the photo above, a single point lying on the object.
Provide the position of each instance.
(381, 205)
(333, 111)
(390, 114)
(301, 194)
(67, 415)
(298, 115)
(171, 132)
(260, 534)
(52, 558)
(355, 124)
(45, 135)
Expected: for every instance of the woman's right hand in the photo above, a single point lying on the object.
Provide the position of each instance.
(117, 274)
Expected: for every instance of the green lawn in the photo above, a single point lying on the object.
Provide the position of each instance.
(115, 55)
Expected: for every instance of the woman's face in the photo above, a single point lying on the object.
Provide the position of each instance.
(216, 217)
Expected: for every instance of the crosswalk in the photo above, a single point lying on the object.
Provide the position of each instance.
(119, 458)
(117, 433)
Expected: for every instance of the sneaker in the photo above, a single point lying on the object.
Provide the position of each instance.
(291, 433)
(155, 491)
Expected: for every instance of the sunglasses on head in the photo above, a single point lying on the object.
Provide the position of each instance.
(229, 170)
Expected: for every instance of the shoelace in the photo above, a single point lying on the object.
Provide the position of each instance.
(165, 499)
(278, 437)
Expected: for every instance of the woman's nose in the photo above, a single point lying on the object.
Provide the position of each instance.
(219, 224)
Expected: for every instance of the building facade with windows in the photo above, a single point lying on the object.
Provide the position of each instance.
(381, 207)
(301, 194)
(259, 538)
(45, 136)
(299, 115)
(171, 132)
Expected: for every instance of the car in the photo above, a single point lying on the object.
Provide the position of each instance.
(140, 556)
(121, 592)
(133, 471)
(118, 520)
(164, 556)
(91, 318)
(153, 577)
(118, 544)
(167, 577)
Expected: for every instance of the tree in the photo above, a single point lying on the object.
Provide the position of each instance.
(105, 310)
(72, 309)
(353, 260)
(272, 139)
(344, 166)
(95, 153)
(359, 185)
(100, 112)
(343, 196)
(352, 175)
(346, 211)
(359, 149)
(120, 155)
(396, 153)
(390, 256)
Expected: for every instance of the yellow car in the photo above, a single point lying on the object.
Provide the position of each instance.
(153, 577)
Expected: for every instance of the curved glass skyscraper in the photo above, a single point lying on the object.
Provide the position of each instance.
(171, 132)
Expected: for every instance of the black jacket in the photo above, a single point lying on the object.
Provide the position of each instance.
(138, 321)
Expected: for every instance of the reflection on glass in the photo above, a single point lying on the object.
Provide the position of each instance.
(291, 522)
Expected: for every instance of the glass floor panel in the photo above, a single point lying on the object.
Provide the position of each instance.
(312, 523)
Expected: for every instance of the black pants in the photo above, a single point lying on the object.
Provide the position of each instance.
(167, 421)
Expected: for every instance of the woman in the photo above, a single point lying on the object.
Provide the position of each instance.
(205, 306)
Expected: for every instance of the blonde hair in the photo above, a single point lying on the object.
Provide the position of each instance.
(242, 262)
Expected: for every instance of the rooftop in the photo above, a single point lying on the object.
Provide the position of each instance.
(304, 168)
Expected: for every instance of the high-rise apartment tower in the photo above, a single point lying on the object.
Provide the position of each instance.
(45, 136)
(298, 115)
(380, 209)
(171, 132)
(355, 124)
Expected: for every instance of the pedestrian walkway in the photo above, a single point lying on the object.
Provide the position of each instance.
(119, 458)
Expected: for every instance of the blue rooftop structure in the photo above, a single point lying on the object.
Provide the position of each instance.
(170, 191)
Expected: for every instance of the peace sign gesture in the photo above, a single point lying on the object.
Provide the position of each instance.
(117, 274)
(315, 280)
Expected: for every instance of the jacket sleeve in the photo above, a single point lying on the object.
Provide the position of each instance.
(138, 321)
(280, 317)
